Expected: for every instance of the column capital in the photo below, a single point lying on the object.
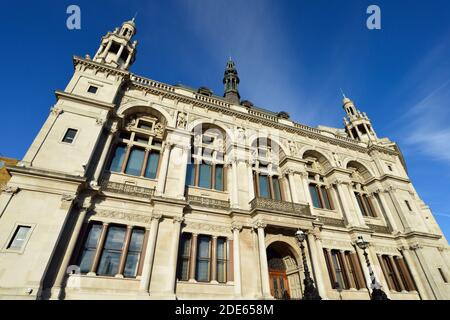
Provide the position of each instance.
(259, 224)
(416, 246)
(236, 226)
(178, 219)
(55, 111)
(156, 216)
(68, 197)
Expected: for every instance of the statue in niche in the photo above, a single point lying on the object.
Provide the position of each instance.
(240, 135)
(337, 160)
(293, 148)
(182, 120)
(219, 143)
(131, 122)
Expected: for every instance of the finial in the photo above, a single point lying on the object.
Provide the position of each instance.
(135, 15)
(343, 94)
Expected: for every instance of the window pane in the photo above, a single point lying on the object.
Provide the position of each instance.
(221, 271)
(360, 204)
(263, 186)
(184, 270)
(70, 135)
(131, 264)
(202, 270)
(185, 248)
(190, 174)
(221, 248)
(135, 161)
(314, 196)
(203, 247)
(369, 206)
(205, 176)
(203, 258)
(109, 262)
(325, 198)
(219, 177)
(152, 165)
(137, 238)
(117, 160)
(276, 188)
(89, 248)
(19, 237)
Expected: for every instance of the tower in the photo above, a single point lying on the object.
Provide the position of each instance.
(231, 82)
(116, 48)
(357, 124)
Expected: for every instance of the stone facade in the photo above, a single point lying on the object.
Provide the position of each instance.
(270, 177)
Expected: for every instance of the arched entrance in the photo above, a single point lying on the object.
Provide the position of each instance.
(284, 277)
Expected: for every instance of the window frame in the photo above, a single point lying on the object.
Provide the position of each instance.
(10, 239)
(129, 138)
(77, 133)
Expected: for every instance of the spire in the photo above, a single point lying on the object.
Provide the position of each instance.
(116, 48)
(231, 83)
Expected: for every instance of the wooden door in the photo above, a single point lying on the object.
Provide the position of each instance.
(279, 285)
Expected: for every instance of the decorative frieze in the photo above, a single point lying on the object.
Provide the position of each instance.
(119, 215)
(127, 189)
(283, 207)
(332, 221)
(379, 229)
(208, 202)
(201, 227)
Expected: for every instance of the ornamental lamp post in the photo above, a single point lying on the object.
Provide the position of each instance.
(377, 293)
(311, 292)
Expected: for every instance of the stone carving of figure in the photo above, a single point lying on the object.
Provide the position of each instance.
(159, 129)
(337, 159)
(182, 120)
(241, 135)
(219, 143)
(293, 148)
(131, 122)
(197, 140)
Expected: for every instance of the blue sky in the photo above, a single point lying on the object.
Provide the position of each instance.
(291, 55)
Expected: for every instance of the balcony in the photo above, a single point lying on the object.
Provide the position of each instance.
(284, 207)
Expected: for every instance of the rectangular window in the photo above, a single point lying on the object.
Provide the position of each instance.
(70, 135)
(408, 205)
(134, 253)
(392, 279)
(444, 278)
(92, 89)
(89, 248)
(152, 165)
(18, 240)
(203, 258)
(205, 176)
(360, 204)
(145, 125)
(368, 203)
(219, 177)
(314, 196)
(185, 252)
(221, 260)
(135, 162)
(112, 250)
(276, 188)
(117, 160)
(338, 269)
(264, 186)
(325, 198)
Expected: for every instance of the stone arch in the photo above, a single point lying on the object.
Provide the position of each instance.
(360, 168)
(136, 107)
(255, 136)
(192, 125)
(284, 264)
(320, 157)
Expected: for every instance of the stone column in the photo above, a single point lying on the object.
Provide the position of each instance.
(236, 228)
(260, 225)
(234, 184)
(251, 189)
(387, 211)
(345, 205)
(108, 46)
(182, 180)
(105, 152)
(313, 238)
(214, 260)
(417, 278)
(5, 197)
(144, 285)
(417, 248)
(57, 285)
(292, 187)
(172, 265)
(162, 175)
(193, 258)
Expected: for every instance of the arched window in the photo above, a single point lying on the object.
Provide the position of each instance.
(319, 190)
(138, 148)
(206, 168)
(266, 177)
(365, 202)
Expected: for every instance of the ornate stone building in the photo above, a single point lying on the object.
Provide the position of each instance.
(136, 189)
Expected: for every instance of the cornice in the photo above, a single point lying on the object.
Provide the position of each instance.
(45, 174)
(100, 66)
(216, 105)
(74, 97)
